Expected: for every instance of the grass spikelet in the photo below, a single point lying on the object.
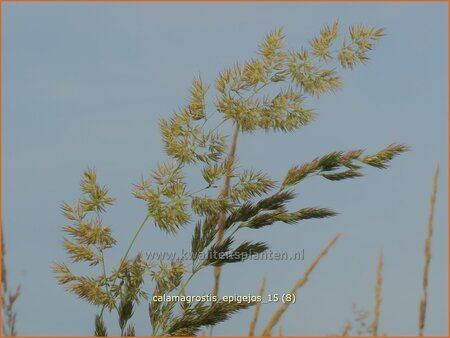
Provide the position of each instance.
(426, 267)
(301, 282)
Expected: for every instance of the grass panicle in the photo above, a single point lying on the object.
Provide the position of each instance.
(268, 93)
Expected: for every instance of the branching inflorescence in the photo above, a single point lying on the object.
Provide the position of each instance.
(268, 92)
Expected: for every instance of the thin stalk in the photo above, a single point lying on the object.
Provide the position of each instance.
(224, 194)
(426, 267)
(218, 126)
(251, 330)
(134, 239)
(376, 310)
(8, 299)
(192, 194)
(300, 283)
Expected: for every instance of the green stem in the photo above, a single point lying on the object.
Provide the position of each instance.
(193, 273)
(134, 240)
(216, 127)
(127, 253)
(200, 190)
(104, 276)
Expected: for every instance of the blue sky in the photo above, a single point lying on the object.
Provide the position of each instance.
(84, 85)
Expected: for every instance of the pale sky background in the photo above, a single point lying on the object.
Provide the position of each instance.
(84, 85)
